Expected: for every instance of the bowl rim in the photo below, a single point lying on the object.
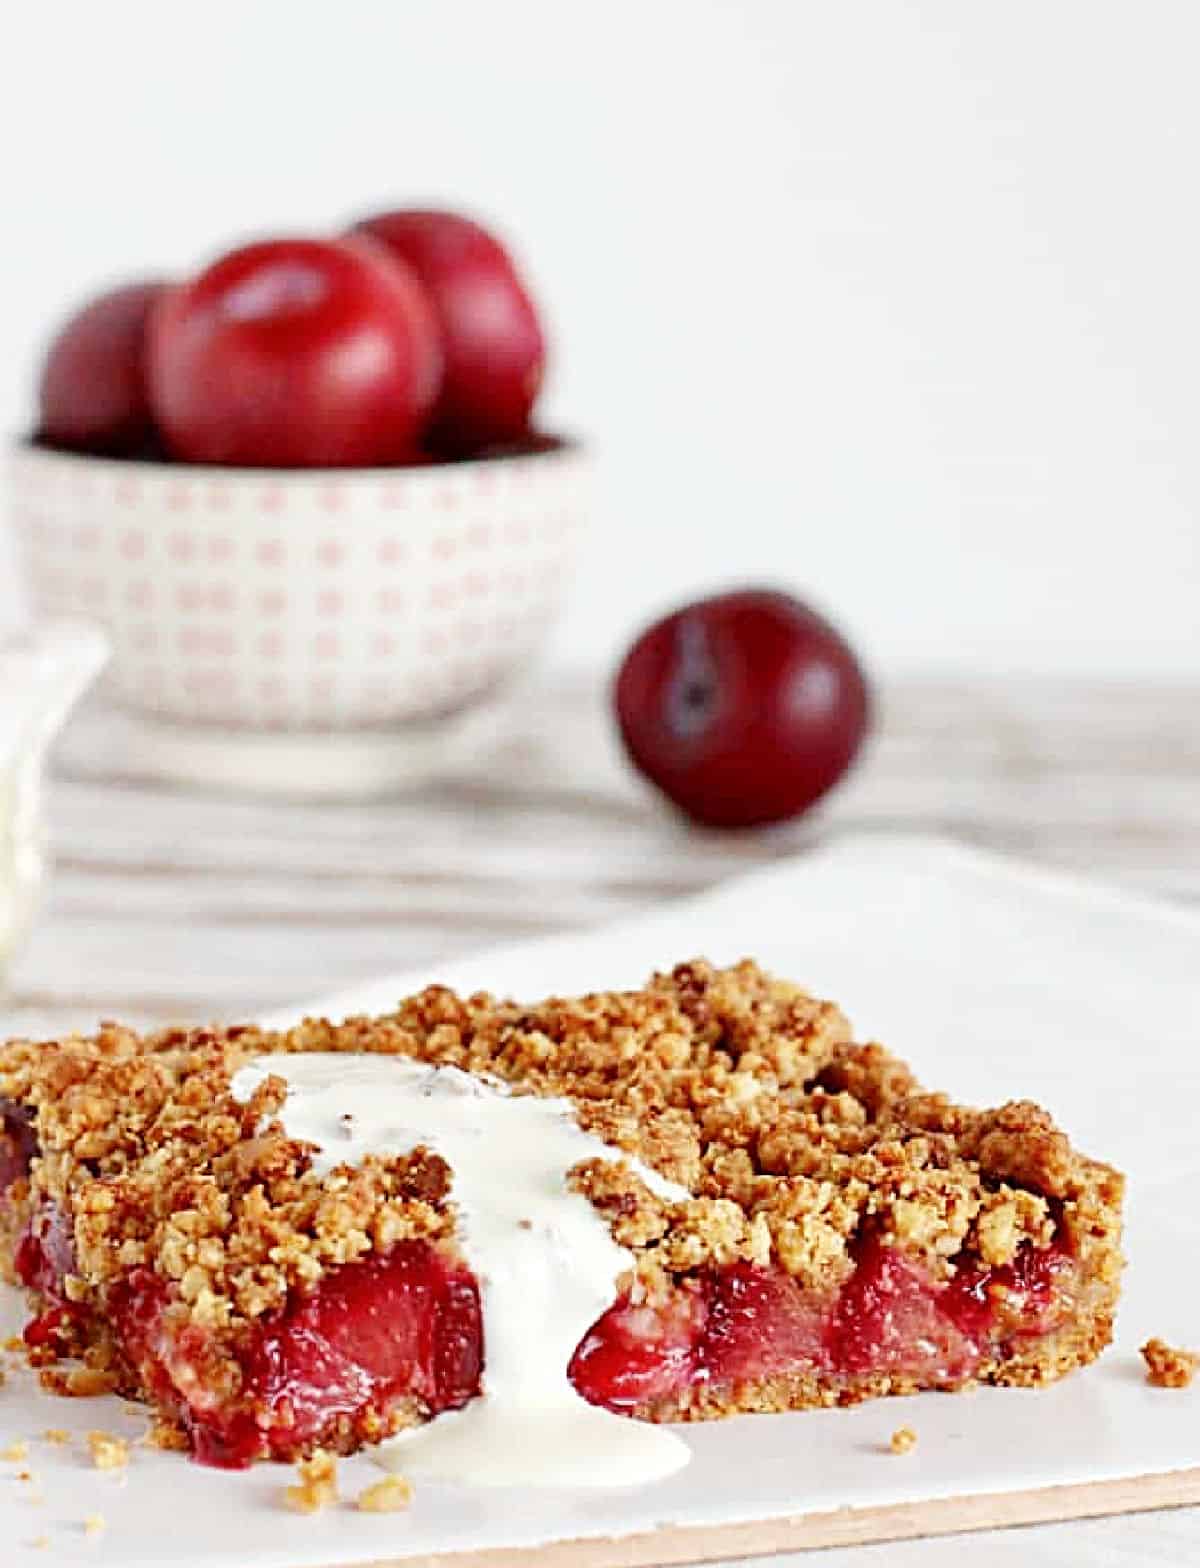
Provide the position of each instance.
(563, 447)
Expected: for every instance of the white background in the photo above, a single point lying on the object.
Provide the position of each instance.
(892, 302)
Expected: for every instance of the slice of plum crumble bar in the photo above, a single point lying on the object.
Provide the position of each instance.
(313, 1240)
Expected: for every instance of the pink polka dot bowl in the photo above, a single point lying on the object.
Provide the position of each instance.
(311, 600)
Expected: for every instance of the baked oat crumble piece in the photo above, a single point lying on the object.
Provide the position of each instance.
(390, 1496)
(903, 1440)
(108, 1452)
(166, 1434)
(77, 1382)
(94, 1525)
(317, 1486)
(1167, 1366)
(15, 1453)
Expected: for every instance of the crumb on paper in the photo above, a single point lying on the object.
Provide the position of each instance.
(15, 1452)
(95, 1524)
(390, 1496)
(77, 1382)
(318, 1484)
(24, 1475)
(108, 1452)
(56, 1434)
(40, 1543)
(1168, 1366)
(167, 1434)
(903, 1440)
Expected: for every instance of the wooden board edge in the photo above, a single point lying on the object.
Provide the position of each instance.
(673, 1545)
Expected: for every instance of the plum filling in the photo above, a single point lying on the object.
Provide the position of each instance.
(18, 1144)
(44, 1255)
(404, 1326)
(743, 1323)
(43, 1258)
(404, 1329)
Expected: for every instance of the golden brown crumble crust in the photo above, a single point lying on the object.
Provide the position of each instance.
(792, 1139)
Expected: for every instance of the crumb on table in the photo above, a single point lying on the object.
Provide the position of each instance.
(15, 1452)
(56, 1434)
(903, 1440)
(389, 1496)
(95, 1524)
(1167, 1366)
(108, 1452)
(318, 1484)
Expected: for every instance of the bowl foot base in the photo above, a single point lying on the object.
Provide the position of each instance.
(107, 741)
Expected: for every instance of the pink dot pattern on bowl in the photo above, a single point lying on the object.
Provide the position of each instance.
(242, 600)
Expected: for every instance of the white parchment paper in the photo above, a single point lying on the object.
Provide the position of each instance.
(995, 982)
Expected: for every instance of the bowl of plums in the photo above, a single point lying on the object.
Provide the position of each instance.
(305, 493)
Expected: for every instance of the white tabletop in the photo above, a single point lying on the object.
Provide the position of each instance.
(174, 906)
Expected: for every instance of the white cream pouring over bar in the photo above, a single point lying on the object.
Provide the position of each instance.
(545, 1260)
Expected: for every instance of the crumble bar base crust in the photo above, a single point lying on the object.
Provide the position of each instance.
(797, 1144)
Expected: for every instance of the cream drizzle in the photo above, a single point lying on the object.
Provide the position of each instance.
(546, 1262)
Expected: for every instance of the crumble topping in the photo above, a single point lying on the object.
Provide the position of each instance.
(1167, 1366)
(15, 1453)
(903, 1440)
